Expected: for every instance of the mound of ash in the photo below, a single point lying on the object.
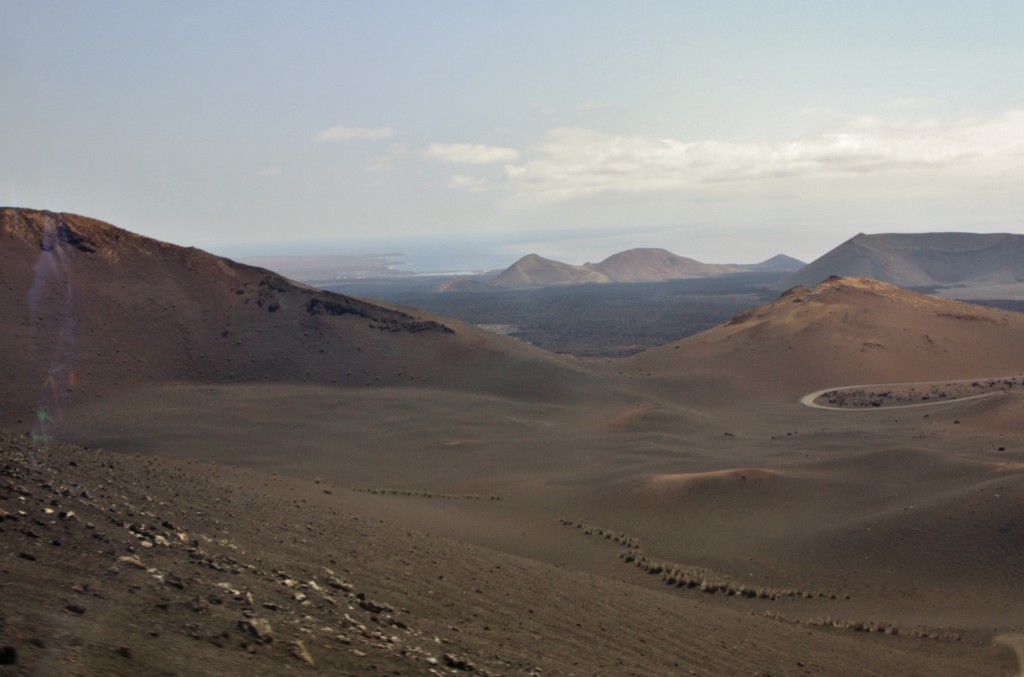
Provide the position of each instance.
(850, 331)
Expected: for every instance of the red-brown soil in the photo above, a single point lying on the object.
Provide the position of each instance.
(526, 510)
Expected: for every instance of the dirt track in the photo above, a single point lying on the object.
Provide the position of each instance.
(881, 396)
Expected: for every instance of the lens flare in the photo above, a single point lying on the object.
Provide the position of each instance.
(52, 325)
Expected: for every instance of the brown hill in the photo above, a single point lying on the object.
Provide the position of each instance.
(850, 331)
(632, 265)
(536, 271)
(650, 265)
(779, 262)
(89, 308)
(957, 261)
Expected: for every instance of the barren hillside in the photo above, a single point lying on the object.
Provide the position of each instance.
(966, 265)
(90, 308)
(847, 331)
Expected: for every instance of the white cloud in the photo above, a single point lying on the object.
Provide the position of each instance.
(269, 172)
(473, 184)
(339, 134)
(572, 162)
(469, 153)
(386, 162)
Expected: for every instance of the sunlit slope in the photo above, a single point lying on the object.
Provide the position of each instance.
(848, 331)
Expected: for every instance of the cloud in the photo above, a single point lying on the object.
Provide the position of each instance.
(473, 184)
(386, 162)
(573, 162)
(341, 134)
(472, 154)
(269, 172)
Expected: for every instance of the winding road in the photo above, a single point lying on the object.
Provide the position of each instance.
(808, 400)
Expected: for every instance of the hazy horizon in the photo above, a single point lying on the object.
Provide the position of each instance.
(724, 132)
(459, 252)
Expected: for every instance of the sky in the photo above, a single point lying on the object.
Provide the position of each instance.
(726, 130)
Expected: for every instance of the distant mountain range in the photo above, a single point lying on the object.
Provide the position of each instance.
(958, 265)
(952, 265)
(633, 265)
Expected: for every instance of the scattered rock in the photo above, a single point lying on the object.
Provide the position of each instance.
(131, 561)
(454, 661)
(199, 605)
(339, 584)
(299, 651)
(374, 607)
(258, 628)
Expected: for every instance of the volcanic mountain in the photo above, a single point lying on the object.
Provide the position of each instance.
(536, 271)
(851, 330)
(649, 265)
(963, 265)
(89, 308)
(632, 265)
(779, 262)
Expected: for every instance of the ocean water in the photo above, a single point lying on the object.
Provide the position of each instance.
(467, 253)
(476, 252)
